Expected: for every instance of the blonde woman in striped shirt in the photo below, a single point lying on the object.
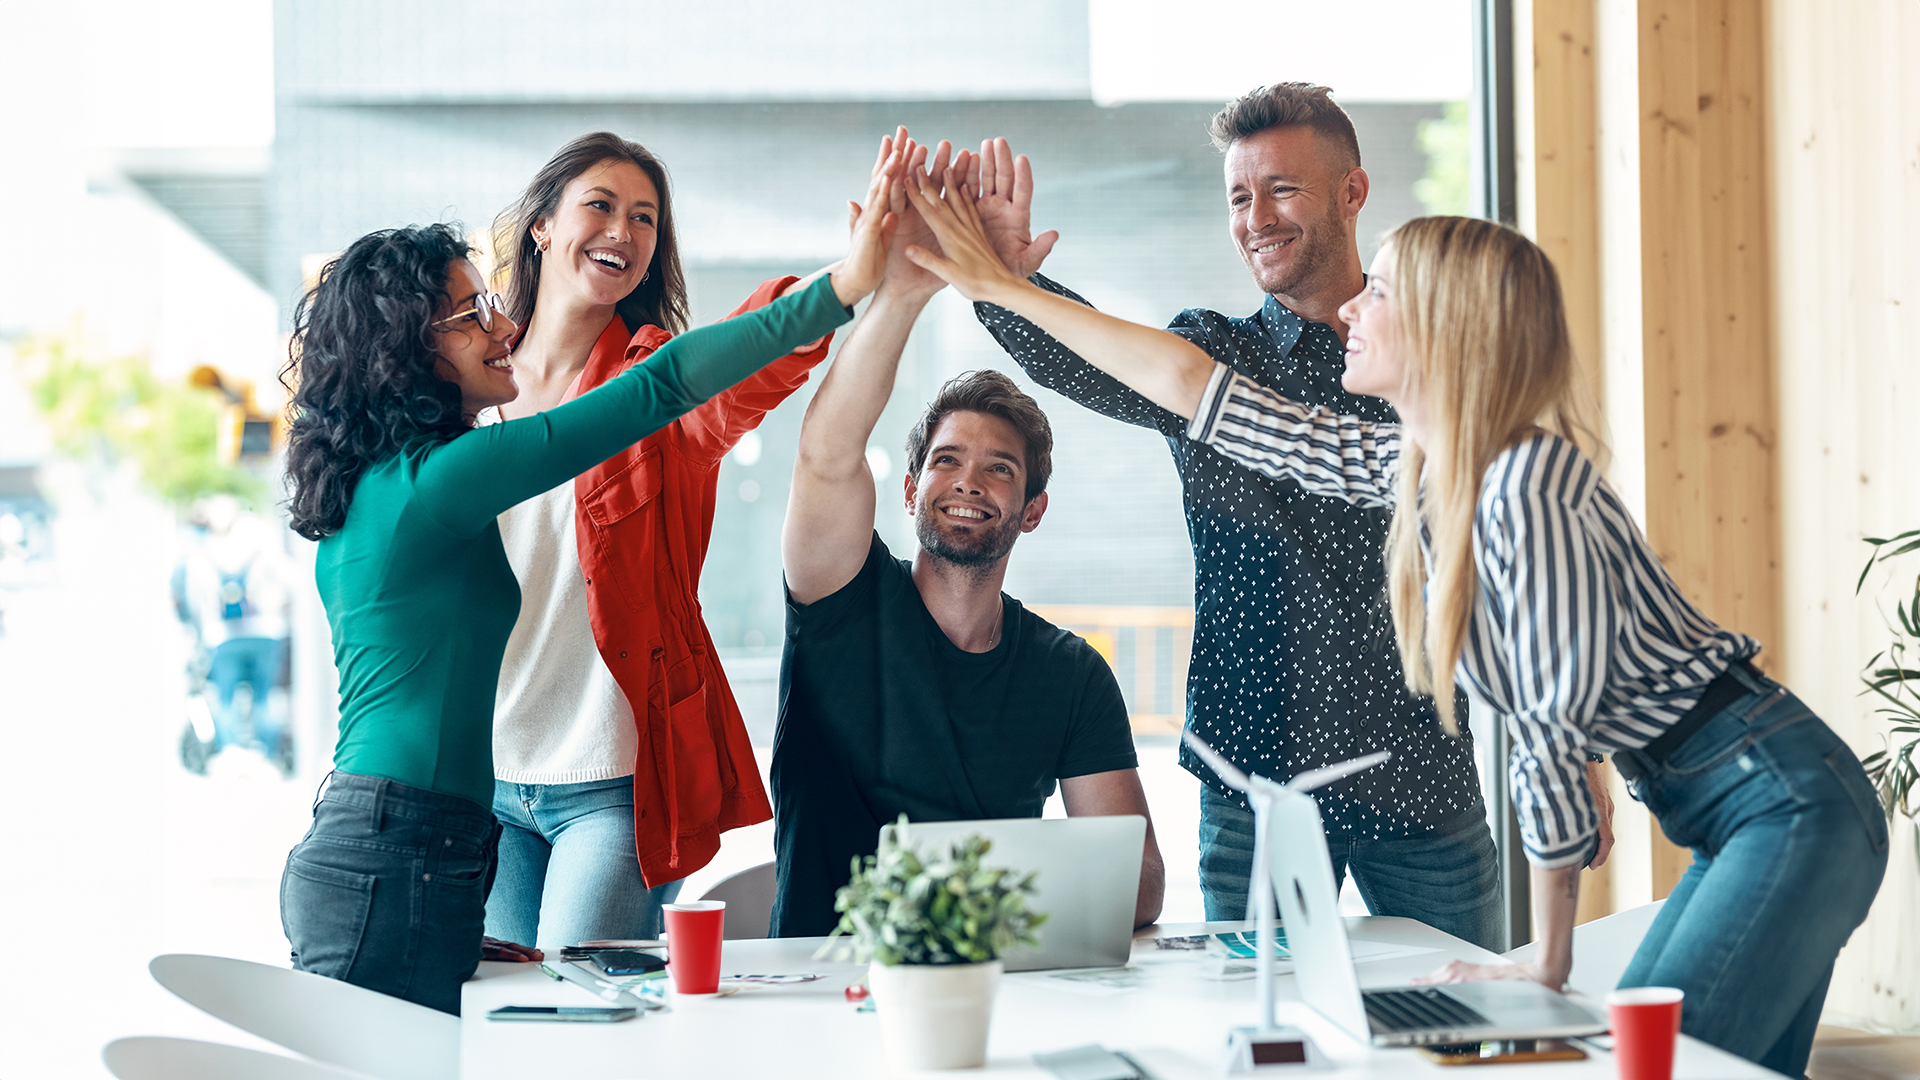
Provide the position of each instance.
(1515, 570)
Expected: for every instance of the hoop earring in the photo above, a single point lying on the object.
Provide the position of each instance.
(645, 276)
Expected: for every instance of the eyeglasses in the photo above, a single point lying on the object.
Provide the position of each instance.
(481, 312)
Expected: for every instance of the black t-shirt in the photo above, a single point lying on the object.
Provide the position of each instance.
(881, 714)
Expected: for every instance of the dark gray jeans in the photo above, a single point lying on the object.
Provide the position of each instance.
(388, 890)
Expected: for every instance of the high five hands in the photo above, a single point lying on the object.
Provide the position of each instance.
(986, 198)
(1002, 185)
(968, 258)
(904, 278)
(874, 225)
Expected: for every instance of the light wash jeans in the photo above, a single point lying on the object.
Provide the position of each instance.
(1448, 878)
(1789, 845)
(568, 872)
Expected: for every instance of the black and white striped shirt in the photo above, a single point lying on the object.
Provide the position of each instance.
(1578, 635)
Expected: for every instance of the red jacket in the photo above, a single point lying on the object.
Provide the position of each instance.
(643, 518)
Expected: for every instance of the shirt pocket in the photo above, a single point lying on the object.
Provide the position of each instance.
(624, 513)
(697, 768)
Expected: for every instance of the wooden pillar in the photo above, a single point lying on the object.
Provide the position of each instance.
(1648, 158)
(1708, 366)
(1556, 136)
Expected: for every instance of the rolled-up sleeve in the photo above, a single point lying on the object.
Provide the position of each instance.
(1327, 453)
(1547, 573)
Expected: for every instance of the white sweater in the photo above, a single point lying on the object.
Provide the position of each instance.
(558, 717)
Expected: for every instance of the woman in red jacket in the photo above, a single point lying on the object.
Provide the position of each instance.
(619, 753)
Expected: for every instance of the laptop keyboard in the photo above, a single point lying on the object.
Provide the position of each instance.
(1418, 1008)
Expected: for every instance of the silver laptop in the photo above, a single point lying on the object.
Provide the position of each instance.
(1396, 1016)
(1088, 881)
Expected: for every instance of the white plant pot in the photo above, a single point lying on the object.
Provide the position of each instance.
(934, 1016)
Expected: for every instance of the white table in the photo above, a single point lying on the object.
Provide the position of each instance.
(1175, 1022)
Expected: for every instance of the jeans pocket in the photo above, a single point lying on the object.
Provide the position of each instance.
(462, 860)
(324, 911)
(1860, 789)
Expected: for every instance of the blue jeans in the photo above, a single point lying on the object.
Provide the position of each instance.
(1789, 845)
(1448, 878)
(255, 661)
(568, 872)
(389, 889)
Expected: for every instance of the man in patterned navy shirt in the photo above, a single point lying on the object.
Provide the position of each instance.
(1294, 664)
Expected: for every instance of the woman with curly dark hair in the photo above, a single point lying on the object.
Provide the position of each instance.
(397, 349)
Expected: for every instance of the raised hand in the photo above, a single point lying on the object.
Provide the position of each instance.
(1003, 189)
(1170, 371)
(966, 259)
(904, 277)
(873, 226)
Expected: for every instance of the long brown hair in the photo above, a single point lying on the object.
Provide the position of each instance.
(661, 297)
(1491, 363)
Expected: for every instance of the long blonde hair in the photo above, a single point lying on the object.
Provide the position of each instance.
(1489, 359)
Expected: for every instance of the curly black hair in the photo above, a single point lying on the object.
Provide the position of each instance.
(360, 368)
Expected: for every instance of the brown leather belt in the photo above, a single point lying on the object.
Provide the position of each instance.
(1725, 689)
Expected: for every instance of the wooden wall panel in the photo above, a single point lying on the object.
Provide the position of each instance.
(1844, 116)
(1738, 405)
(1758, 212)
(1646, 146)
(1558, 140)
(1706, 350)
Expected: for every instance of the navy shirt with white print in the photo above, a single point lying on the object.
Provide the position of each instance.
(1294, 664)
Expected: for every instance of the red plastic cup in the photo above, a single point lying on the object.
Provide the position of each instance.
(693, 945)
(1646, 1024)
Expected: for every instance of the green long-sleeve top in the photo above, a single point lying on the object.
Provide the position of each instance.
(416, 585)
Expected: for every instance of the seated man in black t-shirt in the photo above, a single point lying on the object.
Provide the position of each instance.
(919, 687)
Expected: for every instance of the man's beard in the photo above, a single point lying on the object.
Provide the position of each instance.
(976, 554)
(1319, 255)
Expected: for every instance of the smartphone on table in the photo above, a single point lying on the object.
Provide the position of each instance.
(1502, 1051)
(592, 1014)
(627, 961)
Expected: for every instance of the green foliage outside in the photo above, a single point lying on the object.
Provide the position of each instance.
(107, 410)
(1446, 188)
(1894, 676)
(903, 909)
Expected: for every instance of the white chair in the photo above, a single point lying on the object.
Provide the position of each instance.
(189, 1059)
(1602, 949)
(324, 1019)
(749, 897)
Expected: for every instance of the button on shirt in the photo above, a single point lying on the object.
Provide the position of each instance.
(1294, 664)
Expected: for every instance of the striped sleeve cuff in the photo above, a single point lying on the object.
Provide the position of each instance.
(1207, 417)
(1558, 819)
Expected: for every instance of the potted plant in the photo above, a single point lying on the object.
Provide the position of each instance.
(1894, 674)
(934, 929)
